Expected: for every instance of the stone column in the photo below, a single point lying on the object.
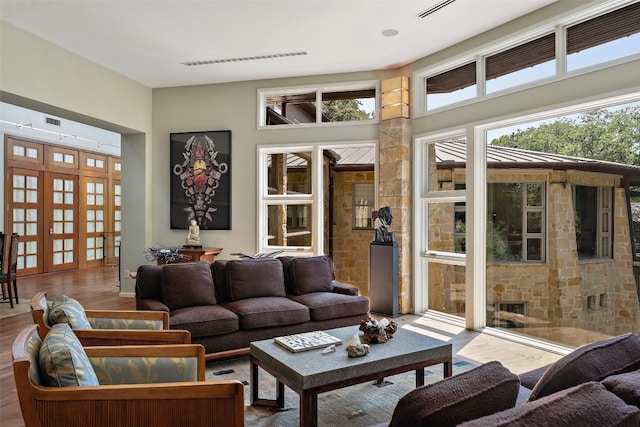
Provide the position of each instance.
(395, 191)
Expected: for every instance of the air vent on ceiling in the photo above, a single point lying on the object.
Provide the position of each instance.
(435, 8)
(246, 58)
(52, 121)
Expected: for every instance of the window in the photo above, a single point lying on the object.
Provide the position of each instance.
(452, 86)
(525, 63)
(597, 40)
(592, 207)
(515, 222)
(288, 198)
(353, 102)
(604, 38)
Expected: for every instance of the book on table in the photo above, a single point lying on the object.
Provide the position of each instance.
(307, 341)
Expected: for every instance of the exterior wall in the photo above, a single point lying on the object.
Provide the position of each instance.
(567, 299)
(350, 246)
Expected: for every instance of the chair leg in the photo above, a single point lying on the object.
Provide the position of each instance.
(15, 290)
(9, 291)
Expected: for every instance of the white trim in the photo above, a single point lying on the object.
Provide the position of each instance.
(315, 198)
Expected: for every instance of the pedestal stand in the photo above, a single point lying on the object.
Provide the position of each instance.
(383, 278)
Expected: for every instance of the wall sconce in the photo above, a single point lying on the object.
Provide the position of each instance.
(395, 98)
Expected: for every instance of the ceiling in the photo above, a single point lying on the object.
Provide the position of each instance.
(150, 40)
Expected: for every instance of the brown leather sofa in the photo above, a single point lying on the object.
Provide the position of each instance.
(230, 303)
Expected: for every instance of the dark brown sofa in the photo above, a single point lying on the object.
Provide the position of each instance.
(228, 304)
(595, 385)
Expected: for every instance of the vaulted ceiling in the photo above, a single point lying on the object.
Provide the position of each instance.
(150, 41)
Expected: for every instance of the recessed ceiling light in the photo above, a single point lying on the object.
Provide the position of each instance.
(390, 32)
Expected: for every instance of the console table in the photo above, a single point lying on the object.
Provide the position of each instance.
(199, 254)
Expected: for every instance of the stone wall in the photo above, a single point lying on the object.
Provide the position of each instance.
(350, 246)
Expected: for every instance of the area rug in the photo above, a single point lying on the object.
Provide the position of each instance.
(7, 311)
(363, 405)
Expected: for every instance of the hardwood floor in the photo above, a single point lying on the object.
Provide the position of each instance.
(98, 289)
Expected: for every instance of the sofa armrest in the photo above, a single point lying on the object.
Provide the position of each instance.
(128, 319)
(151, 304)
(343, 288)
(102, 337)
(530, 378)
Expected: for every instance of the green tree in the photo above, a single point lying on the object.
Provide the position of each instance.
(344, 110)
(601, 134)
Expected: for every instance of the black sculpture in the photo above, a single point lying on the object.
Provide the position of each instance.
(382, 234)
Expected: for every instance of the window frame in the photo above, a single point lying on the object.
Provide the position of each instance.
(319, 90)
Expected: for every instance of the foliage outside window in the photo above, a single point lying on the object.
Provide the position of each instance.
(294, 106)
(592, 208)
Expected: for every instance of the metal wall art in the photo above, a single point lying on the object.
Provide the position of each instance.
(201, 179)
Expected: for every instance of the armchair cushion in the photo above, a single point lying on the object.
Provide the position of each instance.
(255, 278)
(587, 404)
(625, 386)
(63, 361)
(187, 285)
(482, 391)
(313, 274)
(112, 370)
(592, 362)
(68, 310)
(124, 323)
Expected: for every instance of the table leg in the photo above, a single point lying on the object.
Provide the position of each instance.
(447, 368)
(308, 410)
(419, 377)
(254, 382)
(278, 402)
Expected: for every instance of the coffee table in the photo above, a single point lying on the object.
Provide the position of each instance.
(310, 372)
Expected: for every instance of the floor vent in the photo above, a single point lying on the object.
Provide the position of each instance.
(435, 8)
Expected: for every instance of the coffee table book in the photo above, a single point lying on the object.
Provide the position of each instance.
(307, 341)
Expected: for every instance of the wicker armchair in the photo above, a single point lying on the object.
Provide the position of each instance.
(193, 402)
(115, 327)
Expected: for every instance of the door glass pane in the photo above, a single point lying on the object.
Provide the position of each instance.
(32, 196)
(18, 196)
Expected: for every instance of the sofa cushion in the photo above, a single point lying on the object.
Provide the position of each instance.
(204, 320)
(267, 312)
(626, 386)
(187, 285)
(148, 278)
(588, 404)
(313, 274)
(254, 278)
(219, 269)
(330, 305)
(592, 362)
(63, 361)
(480, 391)
(68, 310)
